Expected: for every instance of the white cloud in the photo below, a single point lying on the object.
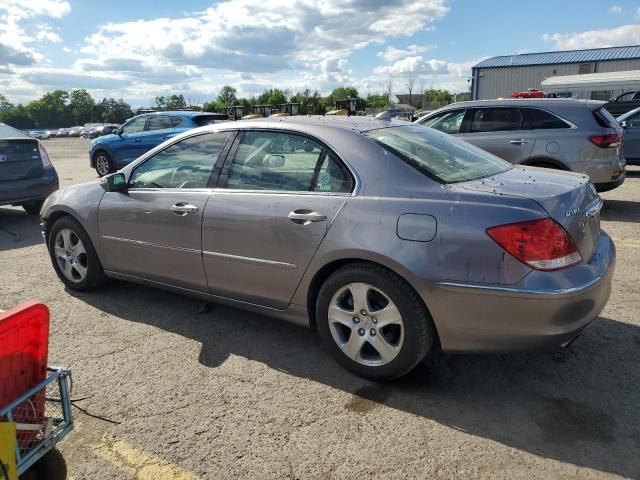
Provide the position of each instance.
(46, 34)
(611, 37)
(615, 9)
(392, 54)
(26, 9)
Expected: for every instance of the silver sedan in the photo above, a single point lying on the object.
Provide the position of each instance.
(387, 238)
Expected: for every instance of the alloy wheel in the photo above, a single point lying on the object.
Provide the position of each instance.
(366, 324)
(71, 255)
(102, 165)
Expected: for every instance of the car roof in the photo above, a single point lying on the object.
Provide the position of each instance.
(630, 113)
(179, 113)
(353, 124)
(9, 133)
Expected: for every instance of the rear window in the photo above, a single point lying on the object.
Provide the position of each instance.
(209, 119)
(604, 118)
(437, 155)
(496, 120)
(536, 119)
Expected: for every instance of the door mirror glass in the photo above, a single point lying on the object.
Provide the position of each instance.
(624, 124)
(274, 161)
(114, 183)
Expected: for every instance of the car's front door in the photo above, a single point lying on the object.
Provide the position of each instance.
(498, 130)
(278, 194)
(129, 146)
(153, 231)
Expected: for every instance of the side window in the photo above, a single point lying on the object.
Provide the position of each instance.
(135, 125)
(284, 161)
(175, 121)
(447, 122)
(186, 164)
(633, 121)
(496, 120)
(159, 122)
(536, 119)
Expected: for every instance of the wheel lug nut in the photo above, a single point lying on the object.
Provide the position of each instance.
(372, 332)
(363, 313)
(356, 320)
(374, 320)
(361, 331)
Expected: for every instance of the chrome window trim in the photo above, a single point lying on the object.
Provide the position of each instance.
(141, 243)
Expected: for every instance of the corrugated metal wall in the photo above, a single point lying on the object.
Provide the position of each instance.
(501, 82)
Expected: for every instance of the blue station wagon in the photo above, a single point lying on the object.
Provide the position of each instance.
(142, 133)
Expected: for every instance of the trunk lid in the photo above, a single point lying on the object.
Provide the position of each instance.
(570, 199)
(19, 159)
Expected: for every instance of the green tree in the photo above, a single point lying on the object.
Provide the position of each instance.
(276, 97)
(310, 104)
(227, 97)
(438, 95)
(5, 103)
(51, 110)
(114, 111)
(82, 107)
(16, 116)
(376, 101)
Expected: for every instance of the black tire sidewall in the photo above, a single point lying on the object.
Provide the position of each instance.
(95, 275)
(33, 208)
(414, 317)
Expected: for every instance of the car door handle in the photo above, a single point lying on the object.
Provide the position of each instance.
(184, 208)
(137, 139)
(305, 217)
(520, 141)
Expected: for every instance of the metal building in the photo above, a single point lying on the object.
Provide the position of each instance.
(498, 77)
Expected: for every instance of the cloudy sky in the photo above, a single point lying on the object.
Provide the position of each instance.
(143, 48)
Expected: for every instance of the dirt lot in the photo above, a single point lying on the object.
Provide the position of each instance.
(228, 394)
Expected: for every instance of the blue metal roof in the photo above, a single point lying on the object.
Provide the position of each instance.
(570, 56)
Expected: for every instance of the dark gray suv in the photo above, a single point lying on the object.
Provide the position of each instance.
(27, 176)
(565, 134)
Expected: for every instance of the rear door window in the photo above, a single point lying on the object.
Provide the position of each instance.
(536, 119)
(499, 119)
(447, 122)
(159, 122)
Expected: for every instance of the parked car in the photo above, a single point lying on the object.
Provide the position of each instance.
(100, 130)
(576, 135)
(140, 134)
(630, 122)
(63, 132)
(52, 133)
(27, 176)
(529, 93)
(623, 103)
(39, 134)
(76, 131)
(386, 237)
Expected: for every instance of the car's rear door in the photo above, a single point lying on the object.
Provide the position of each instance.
(159, 128)
(499, 130)
(153, 231)
(277, 196)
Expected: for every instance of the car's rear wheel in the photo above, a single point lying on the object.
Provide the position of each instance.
(104, 164)
(73, 256)
(373, 322)
(33, 208)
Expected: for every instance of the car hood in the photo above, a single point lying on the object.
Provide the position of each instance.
(567, 198)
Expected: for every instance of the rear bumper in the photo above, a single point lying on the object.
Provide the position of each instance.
(28, 190)
(500, 318)
(606, 186)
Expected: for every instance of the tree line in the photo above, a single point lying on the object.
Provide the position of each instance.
(64, 109)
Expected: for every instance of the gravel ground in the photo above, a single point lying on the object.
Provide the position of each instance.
(228, 394)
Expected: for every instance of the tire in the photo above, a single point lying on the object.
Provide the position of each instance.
(410, 339)
(51, 466)
(103, 163)
(33, 208)
(73, 257)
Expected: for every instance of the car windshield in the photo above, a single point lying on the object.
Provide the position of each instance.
(438, 155)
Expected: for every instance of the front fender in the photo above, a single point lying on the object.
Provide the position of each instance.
(80, 202)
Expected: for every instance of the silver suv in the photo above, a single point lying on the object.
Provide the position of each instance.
(576, 135)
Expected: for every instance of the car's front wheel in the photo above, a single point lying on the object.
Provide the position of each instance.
(104, 164)
(73, 256)
(373, 322)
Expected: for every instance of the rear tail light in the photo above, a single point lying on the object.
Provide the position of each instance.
(539, 244)
(44, 156)
(606, 141)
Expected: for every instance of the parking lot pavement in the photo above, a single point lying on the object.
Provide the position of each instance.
(229, 394)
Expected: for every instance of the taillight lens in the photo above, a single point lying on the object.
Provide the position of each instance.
(606, 141)
(539, 244)
(46, 161)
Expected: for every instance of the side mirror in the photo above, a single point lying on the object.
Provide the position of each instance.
(114, 182)
(274, 161)
(624, 124)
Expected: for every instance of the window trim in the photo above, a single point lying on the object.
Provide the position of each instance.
(144, 129)
(442, 114)
(221, 184)
(215, 172)
(468, 120)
